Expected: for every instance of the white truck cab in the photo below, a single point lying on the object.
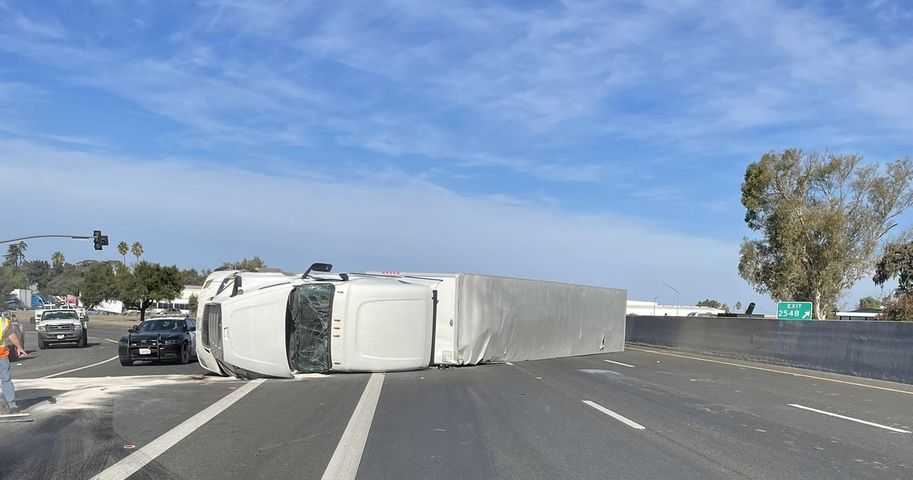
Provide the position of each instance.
(317, 324)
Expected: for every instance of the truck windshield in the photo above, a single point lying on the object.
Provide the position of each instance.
(307, 321)
(161, 325)
(59, 316)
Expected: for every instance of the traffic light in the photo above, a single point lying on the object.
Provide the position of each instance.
(100, 240)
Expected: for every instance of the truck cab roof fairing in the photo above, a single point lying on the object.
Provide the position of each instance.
(254, 332)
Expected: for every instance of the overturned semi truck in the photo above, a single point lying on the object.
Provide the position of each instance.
(278, 325)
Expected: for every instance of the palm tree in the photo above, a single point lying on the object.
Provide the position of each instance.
(123, 249)
(57, 259)
(15, 254)
(137, 250)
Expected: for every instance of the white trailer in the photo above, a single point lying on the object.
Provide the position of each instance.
(371, 322)
(486, 318)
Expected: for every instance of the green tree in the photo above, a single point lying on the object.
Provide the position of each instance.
(709, 302)
(192, 304)
(67, 281)
(137, 250)
(11, 278)
(15, 254)
(191, 276)
(123, 249)
(247, 265)
(869, 303)
(98, 284)
(821, 218)
(147, 284)
(37, 272)
(897, 262)
(57, 260)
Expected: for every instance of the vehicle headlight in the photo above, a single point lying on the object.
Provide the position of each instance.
(78, 326)
(172, 341)
(40, 328)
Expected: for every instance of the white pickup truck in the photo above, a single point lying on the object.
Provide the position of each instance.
(61, 326)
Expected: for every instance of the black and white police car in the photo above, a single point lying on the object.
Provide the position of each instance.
(159, 339)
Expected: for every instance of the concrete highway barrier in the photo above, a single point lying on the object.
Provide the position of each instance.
(882, 350)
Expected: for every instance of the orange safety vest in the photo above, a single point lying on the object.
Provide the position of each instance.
(4, 326)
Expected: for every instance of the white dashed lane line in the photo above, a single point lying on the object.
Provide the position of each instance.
(619, 363)
(616, 416)
(844, 417)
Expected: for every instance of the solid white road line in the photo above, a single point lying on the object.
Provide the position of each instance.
(136, 460)
(620, 363)
(616, 416)
(344, 463)
(773, 370)
(844, 417)
(80, 368)
(111, 340)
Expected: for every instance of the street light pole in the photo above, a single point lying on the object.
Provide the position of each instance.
(677, 294)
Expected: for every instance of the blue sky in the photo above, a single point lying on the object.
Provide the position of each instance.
(594, 142)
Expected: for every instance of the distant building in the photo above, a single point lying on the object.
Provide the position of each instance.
(860, 314)
(646, 308)
(182, 303)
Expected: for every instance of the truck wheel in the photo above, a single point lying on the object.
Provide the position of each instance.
(125, 362)
(42, 345)
(83, 340)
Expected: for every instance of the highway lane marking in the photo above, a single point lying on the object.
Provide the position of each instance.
(80, 368)
(771, 370)
(111, 340)
(347, 456)
(132, 463)
(616, 416)
(844, 417)
(620, 363)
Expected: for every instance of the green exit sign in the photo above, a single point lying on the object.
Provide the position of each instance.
(794, 310)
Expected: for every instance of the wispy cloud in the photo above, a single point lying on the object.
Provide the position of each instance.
(53, 31)
(392, 221)
(459, 83)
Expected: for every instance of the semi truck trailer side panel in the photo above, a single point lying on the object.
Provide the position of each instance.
(508, 319)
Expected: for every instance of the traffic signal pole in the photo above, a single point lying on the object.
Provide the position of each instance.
(100, 240)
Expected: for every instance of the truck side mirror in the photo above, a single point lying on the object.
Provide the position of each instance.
(132, 329)
(318, 267)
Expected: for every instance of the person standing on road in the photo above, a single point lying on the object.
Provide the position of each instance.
(6, 377)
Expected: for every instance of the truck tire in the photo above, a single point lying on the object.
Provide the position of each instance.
(83, 340)
(125, 362)
(42, 345)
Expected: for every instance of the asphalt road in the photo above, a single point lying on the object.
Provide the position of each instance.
(637, 414)
(68, 360)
